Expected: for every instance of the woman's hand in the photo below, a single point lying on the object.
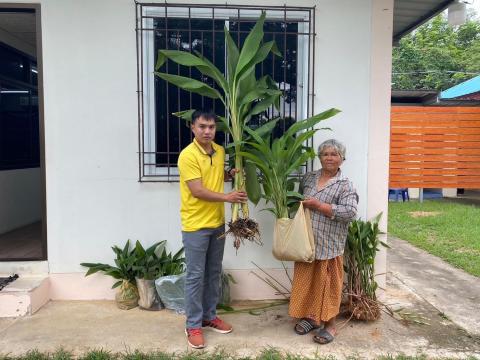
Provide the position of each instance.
(311, 203)
(317, 205)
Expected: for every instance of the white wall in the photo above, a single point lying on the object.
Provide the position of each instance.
(93, 197)
(379, 123)
(20, 195)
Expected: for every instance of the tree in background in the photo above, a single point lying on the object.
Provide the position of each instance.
(437, 56)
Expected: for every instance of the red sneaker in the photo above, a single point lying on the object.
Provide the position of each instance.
(195, 338)
(218, 325)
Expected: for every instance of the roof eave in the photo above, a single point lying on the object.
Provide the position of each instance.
(422, 20)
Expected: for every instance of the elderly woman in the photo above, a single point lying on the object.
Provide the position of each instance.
(317, 286)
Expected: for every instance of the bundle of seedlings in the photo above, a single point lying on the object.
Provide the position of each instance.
(359, 260)
(243, 95)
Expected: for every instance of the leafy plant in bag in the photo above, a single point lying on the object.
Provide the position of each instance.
(224, 300)
(127, 294)
(150, 264)
(278, 159)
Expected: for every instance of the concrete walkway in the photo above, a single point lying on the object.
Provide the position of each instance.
(453, 292)
(81, 326)
(429, 299)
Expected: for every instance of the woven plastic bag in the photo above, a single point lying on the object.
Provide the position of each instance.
(293, 238)
(126, 296)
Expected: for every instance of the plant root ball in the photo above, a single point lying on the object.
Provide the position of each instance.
(243, 229)
(363, 308)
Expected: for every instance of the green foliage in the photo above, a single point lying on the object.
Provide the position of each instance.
(359, 257)
(279, 159)
(245, 96)
(225, 280)
(124, 261)
(154, 261)
(99, 355)
(148, 264)
(437, 56)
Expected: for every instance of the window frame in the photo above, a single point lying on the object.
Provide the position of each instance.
(145, 13)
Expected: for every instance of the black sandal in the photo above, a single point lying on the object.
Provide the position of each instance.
(304, 326)
(323, 337)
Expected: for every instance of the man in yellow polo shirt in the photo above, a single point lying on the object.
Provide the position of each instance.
(201, 167)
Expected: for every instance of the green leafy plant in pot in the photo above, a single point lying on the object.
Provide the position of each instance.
(150, 264)
(126, 296)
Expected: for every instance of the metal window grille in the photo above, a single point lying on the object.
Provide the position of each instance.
(200, 28)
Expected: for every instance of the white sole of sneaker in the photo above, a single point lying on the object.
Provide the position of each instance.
(217, 330)
(193, 346)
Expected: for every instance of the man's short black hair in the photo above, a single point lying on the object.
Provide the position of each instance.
(207, 115)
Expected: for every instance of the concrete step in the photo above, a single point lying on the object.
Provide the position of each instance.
(27, 268)
(24, 296)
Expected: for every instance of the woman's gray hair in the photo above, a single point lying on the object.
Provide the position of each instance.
(337, 145)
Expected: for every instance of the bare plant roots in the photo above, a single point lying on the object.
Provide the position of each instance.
(243, 229)
(363, 308)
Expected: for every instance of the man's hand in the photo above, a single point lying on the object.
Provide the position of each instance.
(200, 192)
(236, 197)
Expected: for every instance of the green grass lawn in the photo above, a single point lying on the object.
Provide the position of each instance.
(448, 230)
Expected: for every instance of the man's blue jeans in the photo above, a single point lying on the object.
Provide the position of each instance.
(203, 257)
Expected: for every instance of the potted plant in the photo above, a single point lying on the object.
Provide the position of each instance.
(170, 282)
(126, 296)
(150, 264)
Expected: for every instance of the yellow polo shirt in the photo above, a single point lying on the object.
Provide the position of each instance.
(195, 163)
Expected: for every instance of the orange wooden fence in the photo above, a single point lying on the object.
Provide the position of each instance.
(435, 147)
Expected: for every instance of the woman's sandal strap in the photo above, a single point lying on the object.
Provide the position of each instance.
(305, 325)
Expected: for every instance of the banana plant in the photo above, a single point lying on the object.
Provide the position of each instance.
(277, 161)
(243, 95)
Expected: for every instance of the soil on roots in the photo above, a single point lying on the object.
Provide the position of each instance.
(243, 229)
(363, 308)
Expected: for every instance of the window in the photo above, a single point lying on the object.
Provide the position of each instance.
(19, 121)
(200, 28)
